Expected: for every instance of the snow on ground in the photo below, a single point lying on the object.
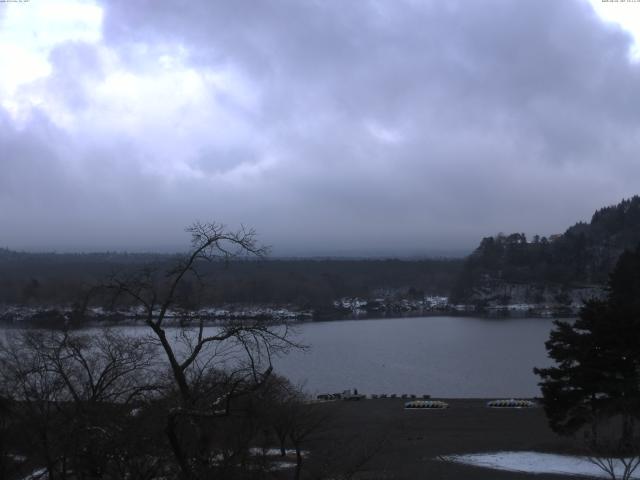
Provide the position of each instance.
(275, 452)
(39, 474)
(534, 462)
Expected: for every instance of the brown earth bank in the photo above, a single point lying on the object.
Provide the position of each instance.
(406, 444)
(379, 439)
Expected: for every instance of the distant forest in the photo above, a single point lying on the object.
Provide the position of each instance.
(583, 255)
(62, 279)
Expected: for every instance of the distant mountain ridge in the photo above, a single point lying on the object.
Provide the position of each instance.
(511, 268)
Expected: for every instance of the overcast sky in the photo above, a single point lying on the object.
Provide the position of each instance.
(381, 127)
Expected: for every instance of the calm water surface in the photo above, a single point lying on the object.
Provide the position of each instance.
(440, 356)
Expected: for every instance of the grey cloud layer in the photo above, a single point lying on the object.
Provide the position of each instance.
(377, 127)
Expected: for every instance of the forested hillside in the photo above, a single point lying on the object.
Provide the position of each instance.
(505, 269)
(582, 256)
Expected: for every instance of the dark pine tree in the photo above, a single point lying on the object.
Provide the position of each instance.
(597, 372)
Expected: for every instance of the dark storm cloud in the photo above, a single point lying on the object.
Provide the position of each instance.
(338, 127)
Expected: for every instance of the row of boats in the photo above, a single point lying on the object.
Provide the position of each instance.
(504, 403)
(424, 402)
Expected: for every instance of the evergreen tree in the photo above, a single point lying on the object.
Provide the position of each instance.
(584, 254)
(597, 376)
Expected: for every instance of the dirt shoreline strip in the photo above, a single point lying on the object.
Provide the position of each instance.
(415, 439)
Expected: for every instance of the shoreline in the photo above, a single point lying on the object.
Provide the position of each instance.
(58, 317)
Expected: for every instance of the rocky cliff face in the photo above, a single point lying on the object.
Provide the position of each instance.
(536, 299)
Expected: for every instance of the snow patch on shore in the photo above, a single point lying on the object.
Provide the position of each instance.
(534, 462)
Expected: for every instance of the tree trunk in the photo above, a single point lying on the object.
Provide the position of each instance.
(298, 461)
(178, 374)
(178, 453)
(282, 438)
(627, 431)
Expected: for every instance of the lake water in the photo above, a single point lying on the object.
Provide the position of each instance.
(439, 356)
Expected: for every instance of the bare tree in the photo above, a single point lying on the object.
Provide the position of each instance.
(304, 420)
(616, 467)
(5, 462)
(71, 392)
(210, 368)
(618, 457)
